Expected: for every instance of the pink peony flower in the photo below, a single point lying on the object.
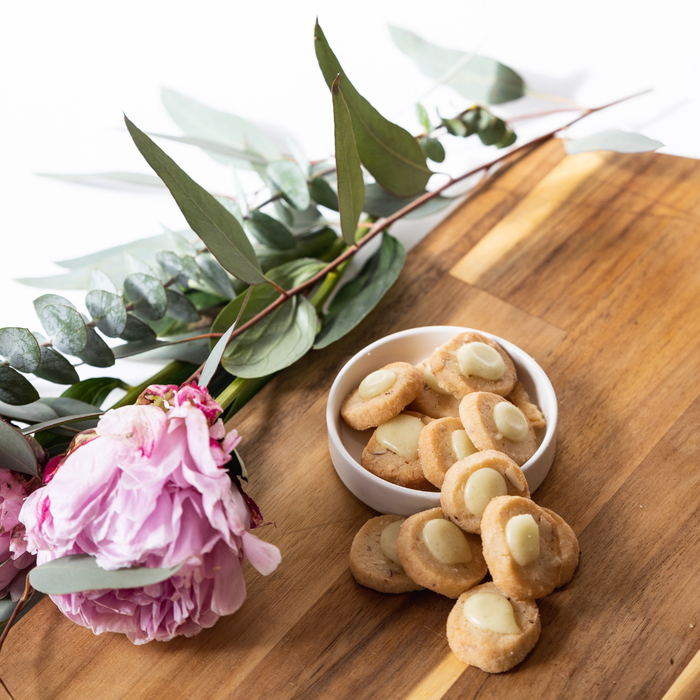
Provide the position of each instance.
(148, 488)
(14, 488)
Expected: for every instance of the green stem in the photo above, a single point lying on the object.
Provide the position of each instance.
(174, 373)
(231, 392)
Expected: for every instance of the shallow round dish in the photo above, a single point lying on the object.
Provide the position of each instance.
(415, 345)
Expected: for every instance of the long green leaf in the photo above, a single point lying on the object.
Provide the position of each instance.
(270, 231)
(477, 78)
(613, 140)
(15, 451)
(79, 572)
(29, 413)
(389, 152)
(288, 177)
(216, 226)
(14, 388)
(358, 297)
(95, 390)
(351, 184)
(63, 420)
(378, 202)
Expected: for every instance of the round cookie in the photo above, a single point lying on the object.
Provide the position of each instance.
(433, 401)
(449, 578)
(445, 366)
(537, 575)
(521, 399)
(370, 566)
(437, 448)
(400, 469)
(477, 413)
(493, 652)
(361, 414)
(452, 494)
(569, 548)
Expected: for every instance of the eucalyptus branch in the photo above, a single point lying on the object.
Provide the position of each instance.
(28, 590)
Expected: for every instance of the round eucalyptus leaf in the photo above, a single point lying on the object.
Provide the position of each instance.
(508, 139)
(16, 452)
(214, 275)
(288, 177)
(108, 311)
(433, 149)
(99, 280)
(136, 329)
(471, 120)
(96, 353)
(180, 307)
(170, 262)
(493, 133)
(322, 193)
(454, 127)
(20, 348)
(56, 368)
(147, 295)
(269, 231)
(14, 388)
(65, 327)
(47, 299)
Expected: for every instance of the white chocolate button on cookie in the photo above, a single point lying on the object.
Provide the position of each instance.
(438, 555)
(373, 559)
(493, 423)
(471, 483)
(521, 546)
(491, 630)
(442, 443)
(381, 395)
(471, 362)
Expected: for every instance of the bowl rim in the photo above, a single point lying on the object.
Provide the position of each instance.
(333, 417)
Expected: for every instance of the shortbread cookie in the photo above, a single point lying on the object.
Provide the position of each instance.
(493, 423)
(472, 362)
(373, 559)
(438, 555)
(491, 630)
(442, 443)
(521, 399)
(433, 400)
(392, 452)
(472, 482)
(381, 395)
(568, 544)
(521, 547)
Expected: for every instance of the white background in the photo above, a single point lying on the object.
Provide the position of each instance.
(71, 68)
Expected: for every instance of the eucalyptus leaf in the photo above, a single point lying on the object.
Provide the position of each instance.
(79, 572)
(380, 203)
(298, 222)
(288, 177)
(180, 307)
(433, 149)
(48, 299)
(79, 422)
(358, 297)
(14, 388)
(508, 139)
(100, 281)
(108, 310)
(390, 153)
(423, 118)
(214, 224)
(65, 327)
(270, 232)
(472, 119)
(308, 245)
(214, 275)
(35, 412)
(19, 347)
(147, 295)
(94, 391)
(214, 359)
(212, 148)
(230, 205)
(455, 127)
(494, 132)
(96, 353)
(475, 77)
(66, 406)
(15, 452)
(136, 265)
(56, 368)
(136, 330)
(613, 140)
(130, 182)
(170, 262)
(322, 193)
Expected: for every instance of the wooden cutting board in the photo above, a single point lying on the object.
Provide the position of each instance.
(591, 263)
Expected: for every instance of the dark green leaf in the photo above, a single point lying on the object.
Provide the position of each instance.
(100, 281)
(79, 572)
(508, 139)
(170, 262)
(19, 347)
(471, 120)
(68, 407)
(180, 307)
(15, 452)
(96, 353)
(322, 193)
(493, 133)
(351, 185)
(357, 298)
(79, 421)
(433, 149)
(288, 177)
(214, 224)
(455, 127)
(423, 118)
(214, 276)
(477, 78)
(115, 181)
(94, 391)
(48, 299)
(380, 203)
(389, 152)
(108, 311)
(269, 231)
(14, 388)
(147, 295)
(308, 245)
(613, 140)
(56, 368)
(136, 330)
(65, 327)
(206, 300)
(29, 413)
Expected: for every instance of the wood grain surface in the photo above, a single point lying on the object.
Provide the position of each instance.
(591, 263)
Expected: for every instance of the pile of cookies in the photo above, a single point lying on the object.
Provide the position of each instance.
(462, 422)
(464, 398)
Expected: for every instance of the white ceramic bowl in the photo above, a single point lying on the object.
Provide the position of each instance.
(413, 346)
